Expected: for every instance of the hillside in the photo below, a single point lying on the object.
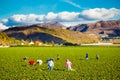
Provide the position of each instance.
(110, 28)
(47, 34)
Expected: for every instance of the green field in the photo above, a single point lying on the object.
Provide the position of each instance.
(12, 66)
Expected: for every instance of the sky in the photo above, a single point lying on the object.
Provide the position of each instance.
(68, 12)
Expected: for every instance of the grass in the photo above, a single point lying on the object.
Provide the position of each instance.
(13, 67)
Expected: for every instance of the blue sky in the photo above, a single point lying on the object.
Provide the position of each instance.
(79, 8)
(11, 7)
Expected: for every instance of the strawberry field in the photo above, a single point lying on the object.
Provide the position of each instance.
(107, 67)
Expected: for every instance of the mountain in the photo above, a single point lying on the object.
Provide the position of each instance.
(48, 34)
(110, 28)
(51, 24)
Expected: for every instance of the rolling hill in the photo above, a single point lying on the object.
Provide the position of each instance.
(48, 34)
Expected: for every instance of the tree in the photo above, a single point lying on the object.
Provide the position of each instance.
(52, 42)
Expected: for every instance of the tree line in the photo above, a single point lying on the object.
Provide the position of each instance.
(5, 40)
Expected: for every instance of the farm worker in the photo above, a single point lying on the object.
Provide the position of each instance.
(32, 62)
(39, 62)
(58, 56)
(97, 56)
(68, 64)
(86, 56)
(25, 58)
(50, 64)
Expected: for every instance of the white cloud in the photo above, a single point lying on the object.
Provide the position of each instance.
(101, 13)
(2, 27)
(4, 21)
(72, 3)
(85, 15)
(40, 17)
(26, 18)
(18, 18)
(51, 16)
(68, 16)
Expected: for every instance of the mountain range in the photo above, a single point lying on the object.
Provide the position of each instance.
(48, 34)
(54, 31)
(110, 28)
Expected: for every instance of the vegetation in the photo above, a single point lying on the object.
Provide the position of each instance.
(115, 41)
(5, 40)
(107, 67)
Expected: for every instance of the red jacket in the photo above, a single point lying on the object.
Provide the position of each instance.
(31, 62)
